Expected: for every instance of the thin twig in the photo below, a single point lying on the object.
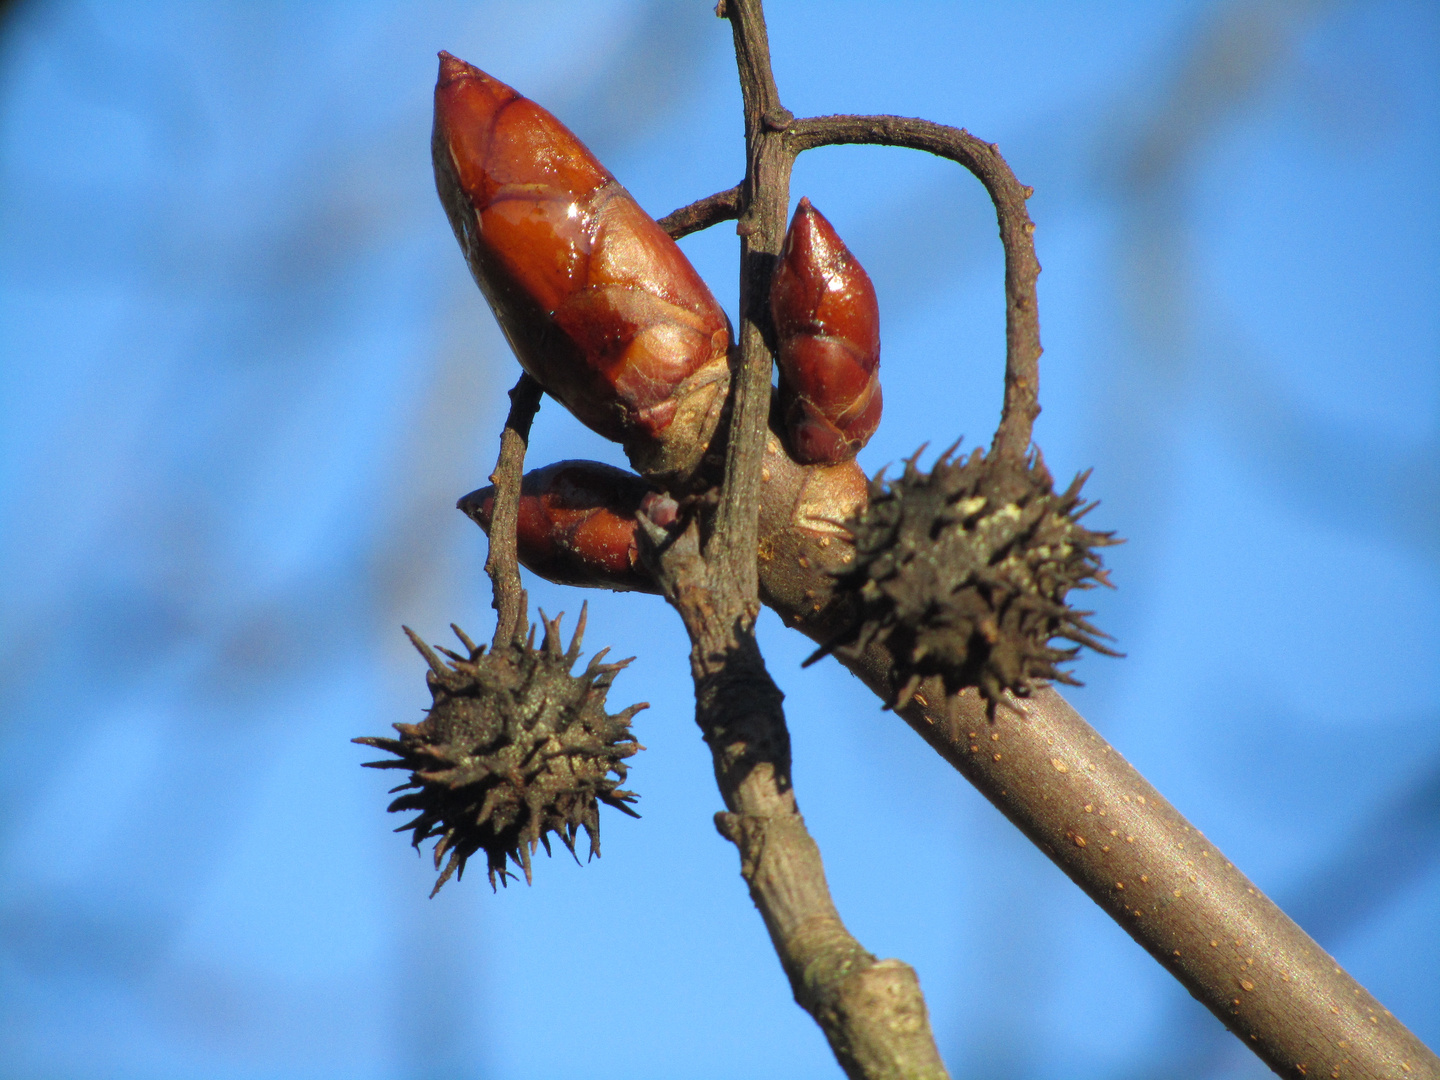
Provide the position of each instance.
(702, 213)
(501, 564)
(871, 1011)
(1022, 317)
(764, 204)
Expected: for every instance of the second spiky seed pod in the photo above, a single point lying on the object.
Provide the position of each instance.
(963, 573)
(515, 747)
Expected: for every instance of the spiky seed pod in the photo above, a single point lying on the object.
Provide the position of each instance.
(515, 748)
(963, 573)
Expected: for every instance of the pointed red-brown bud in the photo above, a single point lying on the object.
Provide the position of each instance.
(577, 524)
(598, 303)
(827, 325)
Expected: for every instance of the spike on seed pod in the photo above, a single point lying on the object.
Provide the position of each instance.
(963, 573)
(515, 747)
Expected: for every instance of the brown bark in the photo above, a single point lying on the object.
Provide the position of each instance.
(1037, 760)
(1110, 831)
(508, 598)
(871, 1011)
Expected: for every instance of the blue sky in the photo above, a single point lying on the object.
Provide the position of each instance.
(244, 375)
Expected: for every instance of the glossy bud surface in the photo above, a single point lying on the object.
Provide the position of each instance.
(599, 304)
(577, 524)
(827, 326)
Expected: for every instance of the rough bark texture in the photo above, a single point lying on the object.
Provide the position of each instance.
(501, 563)
(1038, 760)
(1263, 976)
(711, 210)
(1115, 836)
(872, 1012)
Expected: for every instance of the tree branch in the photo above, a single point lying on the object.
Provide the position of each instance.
(1038, 761)
(1063, 786)
(1066, 789)
(872, 1012)
(702, 213)
(501, 564)
(764, 203)
(1170, 888)
(1022, 312)
(1109, 830)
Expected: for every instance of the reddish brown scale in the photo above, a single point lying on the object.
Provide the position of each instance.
(600, 306)
(577, 524)
(827, 326)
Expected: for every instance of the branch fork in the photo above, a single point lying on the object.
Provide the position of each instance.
(1038, 761)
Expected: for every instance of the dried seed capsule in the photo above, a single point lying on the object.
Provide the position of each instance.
(963, 573)
(827, 326)
(598, 303)
(577, 524)
(515, 748)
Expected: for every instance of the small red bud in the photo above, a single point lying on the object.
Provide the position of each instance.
(827, 325)
(577, 524)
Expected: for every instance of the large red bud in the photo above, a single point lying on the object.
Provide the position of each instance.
(827, 326)
(600, 306)
(577, 524)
